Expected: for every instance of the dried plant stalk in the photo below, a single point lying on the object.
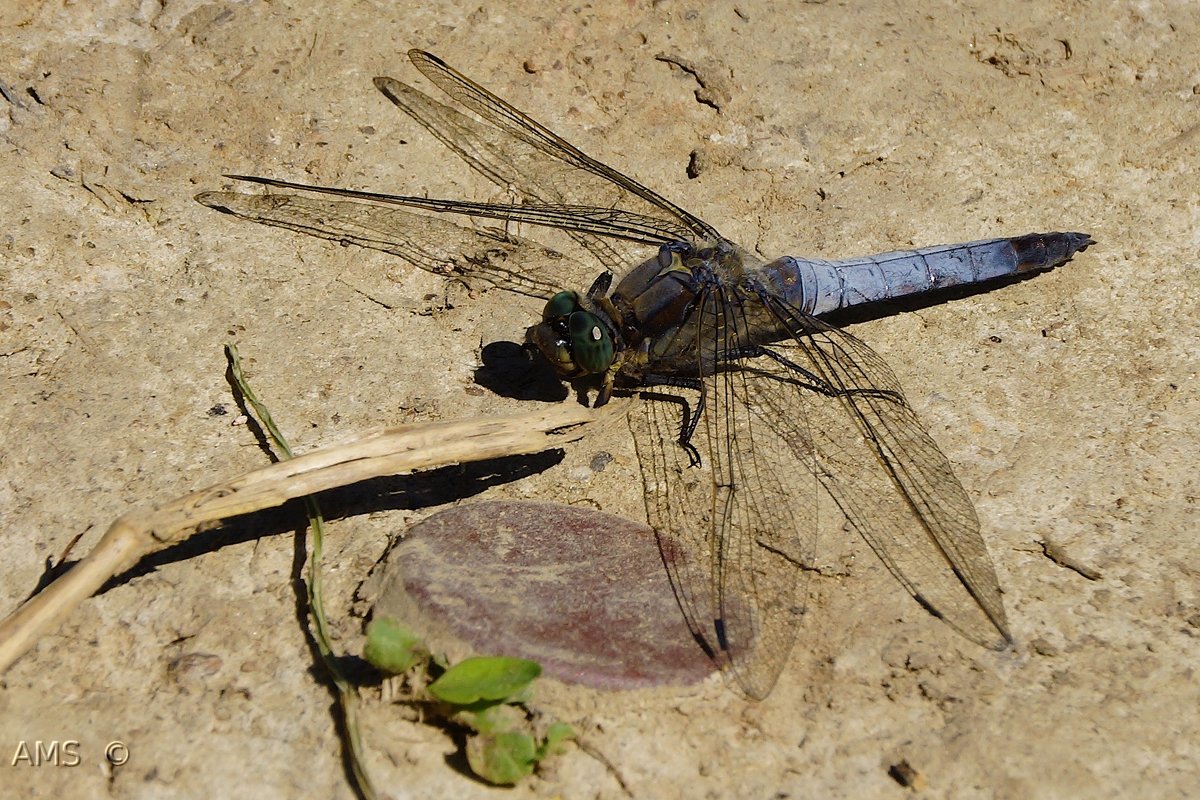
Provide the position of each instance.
(384, 452)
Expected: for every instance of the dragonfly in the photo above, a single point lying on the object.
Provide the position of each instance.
(754, 411)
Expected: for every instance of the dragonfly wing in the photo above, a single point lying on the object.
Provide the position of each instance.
(433, 244)
(820, 408)
(679, 509)
(608, 222)
(609, 215)
(885, 472)
(577, 187)
(736, 531)
(512, 164)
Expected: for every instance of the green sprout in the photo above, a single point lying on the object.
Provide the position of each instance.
(392, 648)
(484, 694)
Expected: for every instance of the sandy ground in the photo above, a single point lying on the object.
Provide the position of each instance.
(1067, 403)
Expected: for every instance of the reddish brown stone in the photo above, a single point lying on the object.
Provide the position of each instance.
(580, 591)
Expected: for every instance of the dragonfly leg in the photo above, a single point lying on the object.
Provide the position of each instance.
(687, 428)
(606, 390)
(599, 287)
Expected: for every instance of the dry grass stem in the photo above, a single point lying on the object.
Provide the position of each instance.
(384, 452)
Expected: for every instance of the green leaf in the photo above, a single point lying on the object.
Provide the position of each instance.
(502, 758)
(391, 647)
(556, 734)
(496, 718)
(484, 678)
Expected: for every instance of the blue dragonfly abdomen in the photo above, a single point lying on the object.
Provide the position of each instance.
(817, 286)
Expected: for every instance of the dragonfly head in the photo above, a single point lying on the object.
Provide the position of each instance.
(575, 341)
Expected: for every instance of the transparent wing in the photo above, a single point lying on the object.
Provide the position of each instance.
(609, 222)
(885, 472)
(738, 532)
(510, 163)
(611, 216)
(556, 171)
(433, 244)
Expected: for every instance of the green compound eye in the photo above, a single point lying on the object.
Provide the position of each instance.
(560, 305)
(591, 346)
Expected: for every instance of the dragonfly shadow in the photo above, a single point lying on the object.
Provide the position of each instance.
(390, 493)
(511, 370)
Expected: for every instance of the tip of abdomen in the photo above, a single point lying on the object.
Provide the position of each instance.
(1048, 250)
